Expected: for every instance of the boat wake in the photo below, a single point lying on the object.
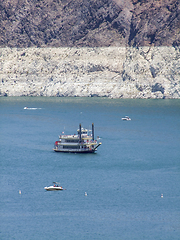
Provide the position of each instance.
(28, 108)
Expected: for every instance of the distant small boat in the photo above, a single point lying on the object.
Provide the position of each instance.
(126, 118)
(54, 187)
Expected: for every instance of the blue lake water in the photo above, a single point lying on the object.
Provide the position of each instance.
(137, 162)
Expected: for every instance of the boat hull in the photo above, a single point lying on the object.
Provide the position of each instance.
(126, 118)
(74, 151)
(53, 188)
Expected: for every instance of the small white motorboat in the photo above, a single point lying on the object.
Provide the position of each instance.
(126, 118)
(54, 187)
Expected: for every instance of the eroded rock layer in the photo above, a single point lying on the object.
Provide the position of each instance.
(115, 72)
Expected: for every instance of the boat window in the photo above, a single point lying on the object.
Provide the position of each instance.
(71, 147)
(72, 140)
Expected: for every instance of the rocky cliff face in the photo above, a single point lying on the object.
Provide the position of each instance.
(113, 48)
(145, 72)
(89, 23)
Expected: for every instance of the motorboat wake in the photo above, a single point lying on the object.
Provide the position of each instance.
(28, 108)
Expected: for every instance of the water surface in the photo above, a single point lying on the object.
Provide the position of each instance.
(136, 163)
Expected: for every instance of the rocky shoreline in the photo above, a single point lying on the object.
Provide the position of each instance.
(114, 72)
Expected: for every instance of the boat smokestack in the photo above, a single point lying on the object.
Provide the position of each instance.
(93, 131)
(79, 132)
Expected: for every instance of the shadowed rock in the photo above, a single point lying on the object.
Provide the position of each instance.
(89, 23)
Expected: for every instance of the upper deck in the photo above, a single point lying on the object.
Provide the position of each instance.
(82, 135)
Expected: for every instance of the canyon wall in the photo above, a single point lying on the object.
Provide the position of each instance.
(114, 72)
(89, 23)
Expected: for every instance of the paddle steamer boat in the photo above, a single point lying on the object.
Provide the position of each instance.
(82, 142)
